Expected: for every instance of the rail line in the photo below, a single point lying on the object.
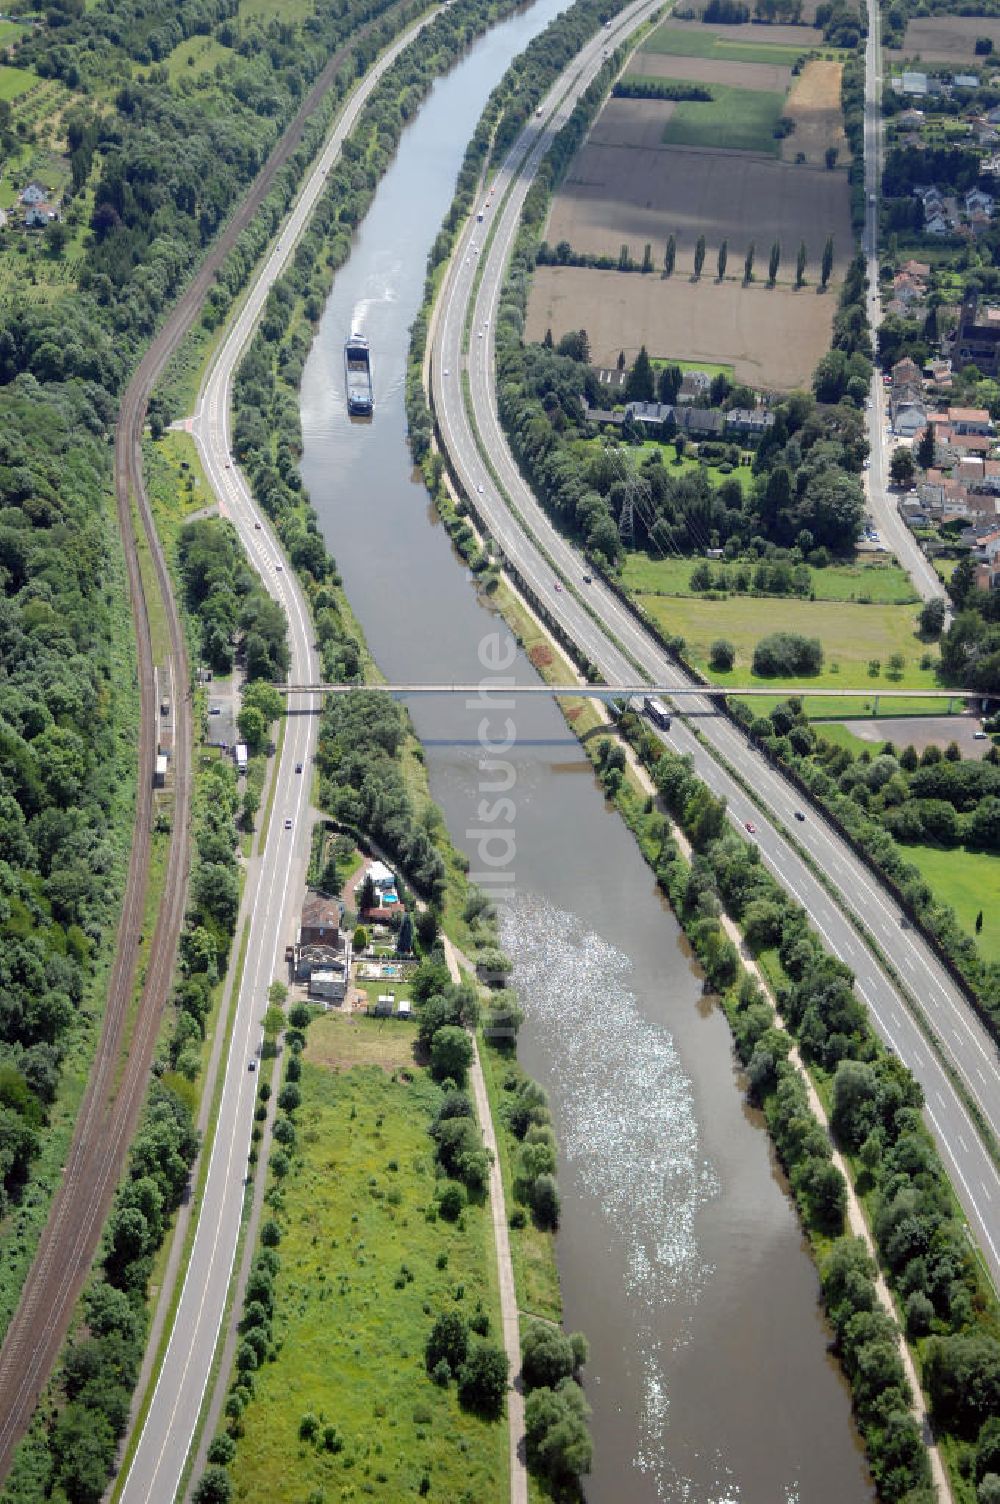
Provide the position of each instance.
(110, 1107)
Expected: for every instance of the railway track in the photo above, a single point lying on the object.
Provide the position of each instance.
(117, 1084)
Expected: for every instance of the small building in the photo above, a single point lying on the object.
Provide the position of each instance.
(965, 80)
(33, 194)
(385, 1004)
(694, 387)
(915, 84)
(383, 878)
(908, 419)
(404, 1008)
(328, 986)
(970, 420)
(310, 958)
(320, 922)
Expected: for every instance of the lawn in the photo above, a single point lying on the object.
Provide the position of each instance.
(733, 120)
(637, 453)
(10, 31)
(690, 43)
(363, 1274)
(970, 882)
(852, 635)
(15, 81)
(881, 584)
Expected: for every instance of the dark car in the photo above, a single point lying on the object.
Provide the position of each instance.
(298, 767)
(251, 1065)
(799, 815)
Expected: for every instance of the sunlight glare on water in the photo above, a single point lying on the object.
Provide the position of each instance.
(628, 1135)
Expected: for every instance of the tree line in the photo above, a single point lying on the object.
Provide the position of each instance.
(948, 1310)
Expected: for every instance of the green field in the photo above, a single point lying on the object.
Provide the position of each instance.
(851, 635)
(10, 31)
(879, 584)
(15, 81)
(194, 56)
(683, 42)
(360, 1285)
(733, 120)
(969, 881)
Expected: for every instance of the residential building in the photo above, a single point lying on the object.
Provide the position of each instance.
(914, 84)
(694, 386)
(328, 986)
(977, 339)
(747, 420)
(383, 878)
(320, 921)
(34, 194)
(970, 420)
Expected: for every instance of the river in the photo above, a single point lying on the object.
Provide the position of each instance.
(679, 1252)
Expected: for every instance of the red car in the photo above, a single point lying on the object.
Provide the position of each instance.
(751, 829)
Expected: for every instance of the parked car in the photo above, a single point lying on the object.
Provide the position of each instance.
(980, 736)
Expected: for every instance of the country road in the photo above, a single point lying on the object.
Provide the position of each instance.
(893, 531)
(271, 901)
(615, 641)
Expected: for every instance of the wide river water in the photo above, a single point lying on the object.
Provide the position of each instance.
(679, 1251)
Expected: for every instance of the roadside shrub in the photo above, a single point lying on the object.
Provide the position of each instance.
(482, 1379)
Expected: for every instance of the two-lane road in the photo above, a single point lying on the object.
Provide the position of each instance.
(616, 643)
(275, 883)
(893, 531)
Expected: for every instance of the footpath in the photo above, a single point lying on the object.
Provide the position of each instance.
(505, 1268)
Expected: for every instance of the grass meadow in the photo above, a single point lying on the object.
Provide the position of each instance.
(732, 120)
(866, 583)
(970, 882)
(852, 636)
(364, 1272)
(682, 42)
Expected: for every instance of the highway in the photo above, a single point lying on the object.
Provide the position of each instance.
(275, 884)
(613, 640)
(892, 530)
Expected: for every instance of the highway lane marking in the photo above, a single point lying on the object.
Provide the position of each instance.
(978, 1216)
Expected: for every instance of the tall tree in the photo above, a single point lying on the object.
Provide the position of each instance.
(699, 255)
(670, 256)
(827, 266)
(647, 257)
(624, 258)
(639, 387)
(800, 265)
(748, 264)
(774, 261)
(723, 258)
(925, 448)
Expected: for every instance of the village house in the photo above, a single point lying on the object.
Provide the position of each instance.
(977, 338)
(33, 194)
(965, 420)
(694, 387)
(320, 921)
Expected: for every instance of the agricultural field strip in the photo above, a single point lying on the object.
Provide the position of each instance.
(579, 623)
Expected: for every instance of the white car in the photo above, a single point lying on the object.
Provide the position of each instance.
(480, 488)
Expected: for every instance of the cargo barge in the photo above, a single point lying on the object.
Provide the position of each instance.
(358, 374)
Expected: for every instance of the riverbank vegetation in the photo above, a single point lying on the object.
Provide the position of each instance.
(943, 1295)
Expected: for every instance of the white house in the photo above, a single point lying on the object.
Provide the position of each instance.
(383, 879)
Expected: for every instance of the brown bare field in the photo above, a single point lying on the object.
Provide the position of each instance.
(773, 337)
(709, 70)
(621, 190)
(949, 39)
(635, 122)
(814, 105)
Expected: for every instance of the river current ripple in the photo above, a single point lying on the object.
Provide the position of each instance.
(628, 1137)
